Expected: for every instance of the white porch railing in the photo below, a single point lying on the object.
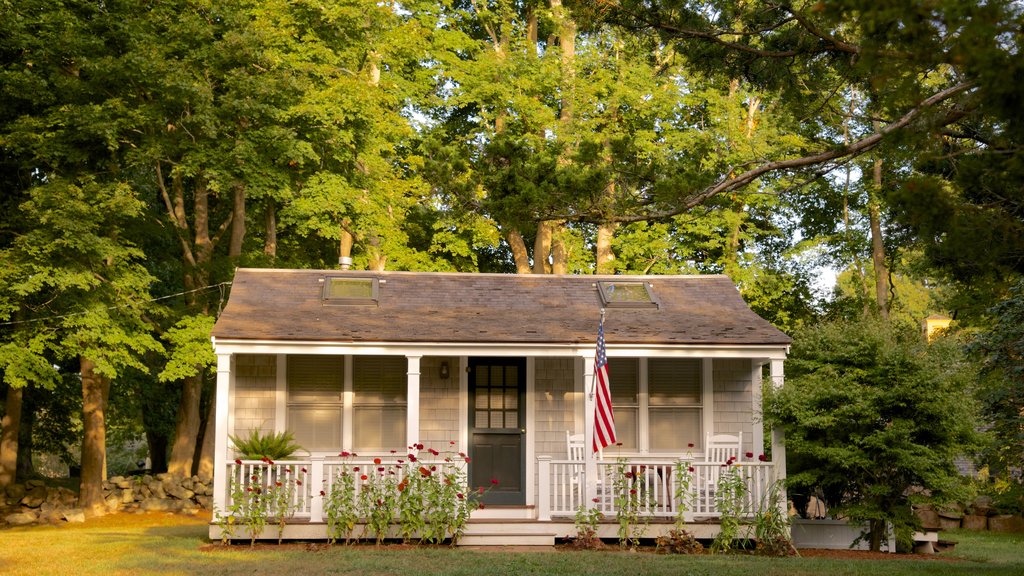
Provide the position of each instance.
(310, 479)
(646, 485)
(562, 489)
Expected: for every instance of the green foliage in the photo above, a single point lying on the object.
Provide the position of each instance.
(730, 500)
(871, 411)
(585, 522)
(190, 352)
(1002, 390)
(259, 446)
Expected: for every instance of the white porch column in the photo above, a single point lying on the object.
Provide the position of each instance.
(590, 468)
(316, 479)
(412, 417)
(220, 453)
(779, 439)
(755, 396)
(544, 488)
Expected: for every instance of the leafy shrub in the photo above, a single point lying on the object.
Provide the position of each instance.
(274, 446)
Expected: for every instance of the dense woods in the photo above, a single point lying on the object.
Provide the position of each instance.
(147, 149)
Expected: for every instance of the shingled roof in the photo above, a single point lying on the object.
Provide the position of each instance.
(419, 307)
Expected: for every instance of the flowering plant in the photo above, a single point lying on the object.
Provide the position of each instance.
(730, 499)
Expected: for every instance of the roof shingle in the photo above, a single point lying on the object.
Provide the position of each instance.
(418, 307)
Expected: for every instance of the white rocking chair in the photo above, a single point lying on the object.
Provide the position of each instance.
(720, 448)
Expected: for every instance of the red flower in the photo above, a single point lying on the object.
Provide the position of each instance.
(762, 458)
(467, 459)
(494, 481)
(451, 442)
(380, 469)
(459, 495)
(691, 469)
(255, 477)
(298, 482)
(238, 461)
(303, 469)
(480, 506)
(596, 500)
(689, 444)
(433, 468)
(322, 493)
(344, 454)
(376, 460)
(749, 454)
(433, 452)
(419, 446)
(481, 489)
(278, 484)
(363, 477)
(401, 461)
(424, 471)
(394, 451)
(356, 469)
(354, 455)
(412, 457)
(402, 485)
(632, 491)
(462, 454)
(289, 470)
(629, 474)
(248, 489)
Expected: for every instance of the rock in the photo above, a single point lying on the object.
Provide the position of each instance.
(180, 493)
(188, 484)
(35, 496)
(16, 492)
(163, 476)
(158, 490)
(107, 485)
(974, 522)
(948, 523)
(127, 496)
(113, 502)
(145, 492)
(982, 505)
(954, 510)
(160, 505)
(205, 502)
(1006, 523)
(74, 515)
(924, 548)
(22, 518)
(929, 518)
(121, 482)
(67, 497)
(35, 484)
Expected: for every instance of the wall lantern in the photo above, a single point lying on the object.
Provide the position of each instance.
(445, 373)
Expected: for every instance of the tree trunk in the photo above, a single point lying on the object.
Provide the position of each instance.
(26, 467)
(237, 222)
(186, 429)
(877, 245)
(270, 241)
(542, 248)
(877, 531)
(95, 393)
(10, 425)
(519, 252)
(204, 469)
(559, 251)
(605, 257)
(157, 444)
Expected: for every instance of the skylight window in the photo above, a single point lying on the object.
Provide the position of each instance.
(626, 294)
(350, 291)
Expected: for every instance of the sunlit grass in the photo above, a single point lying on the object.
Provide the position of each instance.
(168, 544)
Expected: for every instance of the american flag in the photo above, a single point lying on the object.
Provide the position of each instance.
(604, 419)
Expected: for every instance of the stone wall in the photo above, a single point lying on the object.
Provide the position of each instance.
(36, 503)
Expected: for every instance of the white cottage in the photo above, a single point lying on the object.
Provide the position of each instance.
(500, 368)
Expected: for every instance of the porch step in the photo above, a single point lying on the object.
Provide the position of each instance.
(506, 538)
(504, 513)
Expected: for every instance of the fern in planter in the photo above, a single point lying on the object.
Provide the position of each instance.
(274, 445)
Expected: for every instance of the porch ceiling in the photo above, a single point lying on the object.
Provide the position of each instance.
(286, 306)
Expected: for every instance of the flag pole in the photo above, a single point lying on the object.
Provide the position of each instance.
(593, 377)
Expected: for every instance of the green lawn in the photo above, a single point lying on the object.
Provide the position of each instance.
(164, 544)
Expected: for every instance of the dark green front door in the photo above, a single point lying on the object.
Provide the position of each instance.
(497, 428)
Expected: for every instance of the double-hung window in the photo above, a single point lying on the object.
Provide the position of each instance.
(658, 403)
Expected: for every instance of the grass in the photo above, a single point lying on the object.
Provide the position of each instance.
(168, 544)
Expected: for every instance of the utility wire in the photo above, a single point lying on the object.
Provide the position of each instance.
(220, 286)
